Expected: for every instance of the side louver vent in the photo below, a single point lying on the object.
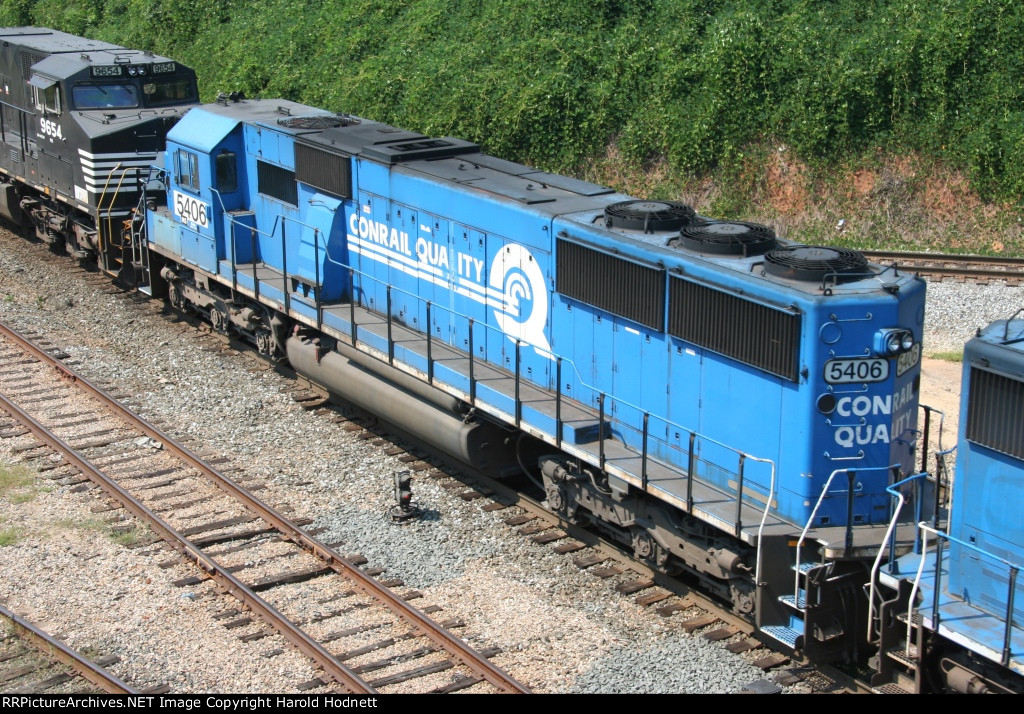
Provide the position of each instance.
(808, 262)
(649, 216)
(727, 238)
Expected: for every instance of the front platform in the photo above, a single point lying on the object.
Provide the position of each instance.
(955, 618)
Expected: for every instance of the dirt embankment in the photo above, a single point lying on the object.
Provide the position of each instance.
(940, 389)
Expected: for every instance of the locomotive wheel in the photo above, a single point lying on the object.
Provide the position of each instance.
(174, 295)
(742, 598)
(643, 544)
(264, 342)
(219, 319)
(55, 242)
(647, 549)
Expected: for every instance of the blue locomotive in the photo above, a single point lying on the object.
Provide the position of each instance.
(79, 119)
(732, 406)
(948, 616)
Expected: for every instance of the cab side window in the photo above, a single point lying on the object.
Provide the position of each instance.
(227, 174)
(188, 170)
(47, 99)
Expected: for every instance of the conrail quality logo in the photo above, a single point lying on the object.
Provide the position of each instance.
(514, 286)
(524, 308)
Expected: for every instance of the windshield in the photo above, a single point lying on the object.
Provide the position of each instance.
(104, 96)
(174, 91)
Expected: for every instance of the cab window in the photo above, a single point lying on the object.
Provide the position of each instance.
(188, 170)
(47, 99)
(104, 96)
(175, 91)
(227, 174)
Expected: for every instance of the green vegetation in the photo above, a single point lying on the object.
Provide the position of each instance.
(138, 535)
(9, 536)
(125, 533)
(16, 483)
(902, 118)
(957, 356)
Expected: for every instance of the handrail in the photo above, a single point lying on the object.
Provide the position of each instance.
(764, 523)
(99, 205)
(814, 512)
(890, 530)
(113, 197)
(597, 393)
(576, 377)
(273, 228)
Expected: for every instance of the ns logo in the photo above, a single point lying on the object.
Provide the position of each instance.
(519, 297)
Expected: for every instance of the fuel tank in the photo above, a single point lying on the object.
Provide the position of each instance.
(479, 443)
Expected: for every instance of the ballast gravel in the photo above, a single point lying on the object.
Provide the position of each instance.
(560, 629)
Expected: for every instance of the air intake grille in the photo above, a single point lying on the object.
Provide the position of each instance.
(995, 412)
(328, 172)
(277, 182)
(764, 337)
(28, 59)
(621, 287)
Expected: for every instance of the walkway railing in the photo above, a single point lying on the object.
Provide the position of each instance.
(639, 432)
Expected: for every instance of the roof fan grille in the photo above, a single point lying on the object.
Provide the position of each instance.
(808, 262)
(326, 121)
(649, 216)
(728, 238)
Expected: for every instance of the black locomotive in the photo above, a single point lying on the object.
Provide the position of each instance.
(80, 121)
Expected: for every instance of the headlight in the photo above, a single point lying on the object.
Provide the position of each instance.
(893, 341)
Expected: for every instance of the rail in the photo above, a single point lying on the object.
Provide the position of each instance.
(368, 585)
(56, 649)
(974, 267)
(225, 579)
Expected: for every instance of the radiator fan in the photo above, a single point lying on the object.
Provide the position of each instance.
(649, 216)
(728, 238)
(810, 262)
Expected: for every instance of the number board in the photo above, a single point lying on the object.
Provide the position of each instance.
(908, 359)
(850, 371)
(191, 210)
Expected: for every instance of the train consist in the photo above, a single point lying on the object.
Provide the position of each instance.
(738, 409)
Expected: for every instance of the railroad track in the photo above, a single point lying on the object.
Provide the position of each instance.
(34, 662)
(665, 597)
(939, 266)
(224, 533)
